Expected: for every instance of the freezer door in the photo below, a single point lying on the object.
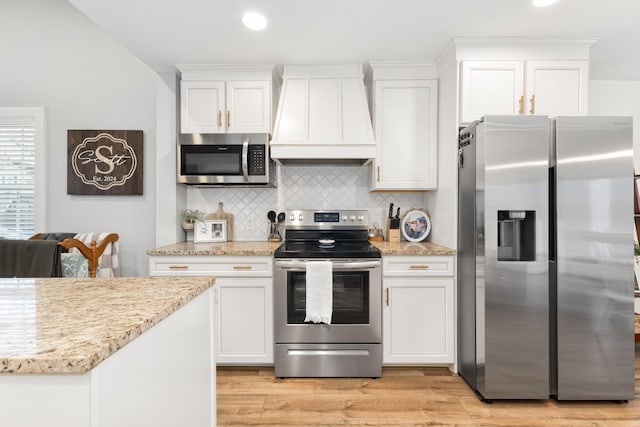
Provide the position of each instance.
(513, 312)
(594, 176)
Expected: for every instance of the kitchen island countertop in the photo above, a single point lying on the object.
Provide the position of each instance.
(70, 325)
(262, 248)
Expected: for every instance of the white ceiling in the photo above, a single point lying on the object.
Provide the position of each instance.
(167, 32)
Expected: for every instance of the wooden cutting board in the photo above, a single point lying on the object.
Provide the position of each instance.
(221, 214)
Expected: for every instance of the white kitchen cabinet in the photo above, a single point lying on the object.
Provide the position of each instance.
(405, 115)
(225, 107)
(418, 314)
(554, 87)
(557, 88)
(243, 295)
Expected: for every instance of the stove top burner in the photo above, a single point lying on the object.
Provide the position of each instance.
(310, 244)
(339, 250)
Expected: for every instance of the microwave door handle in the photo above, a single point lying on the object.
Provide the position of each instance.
(245, 160)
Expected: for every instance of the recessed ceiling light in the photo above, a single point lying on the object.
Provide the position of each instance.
(543, 3)
(255, 21)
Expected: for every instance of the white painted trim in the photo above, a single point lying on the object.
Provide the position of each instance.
(305, 150)
(311, 71)
(204, 72)
(522, 48)
(397, 70)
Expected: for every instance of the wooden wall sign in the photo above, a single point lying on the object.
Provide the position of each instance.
(104, 162)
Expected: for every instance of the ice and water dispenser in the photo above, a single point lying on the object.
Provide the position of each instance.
(516, 235)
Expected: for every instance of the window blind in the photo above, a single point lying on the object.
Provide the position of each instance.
(17, 177)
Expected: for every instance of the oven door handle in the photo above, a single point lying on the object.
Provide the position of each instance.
(337, 265)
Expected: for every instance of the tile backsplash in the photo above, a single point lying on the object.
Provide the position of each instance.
(301, 187)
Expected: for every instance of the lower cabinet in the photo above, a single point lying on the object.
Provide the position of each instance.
(418, 316)
(244, 320)
(243, 295)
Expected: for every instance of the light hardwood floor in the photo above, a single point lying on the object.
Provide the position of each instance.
(402, 397)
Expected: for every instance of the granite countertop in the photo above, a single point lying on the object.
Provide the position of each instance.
(261, 248)
(410, 248)
(70, 325)
(256, 248)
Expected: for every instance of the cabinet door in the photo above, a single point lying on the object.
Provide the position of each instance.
(248, 107)
(406, 135)
(557, 87)
(244, 321)
(202, 107)
(491, 87)
(417, 320)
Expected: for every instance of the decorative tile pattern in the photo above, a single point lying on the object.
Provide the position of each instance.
(301, 187)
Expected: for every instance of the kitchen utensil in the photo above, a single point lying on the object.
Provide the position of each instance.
(281, 217)
(390, 210)
(398, 214)
(272, 216)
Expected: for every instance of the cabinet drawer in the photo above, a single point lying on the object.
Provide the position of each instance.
(219, 266)
(417, 266)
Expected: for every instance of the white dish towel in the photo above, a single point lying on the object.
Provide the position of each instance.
(319, 292)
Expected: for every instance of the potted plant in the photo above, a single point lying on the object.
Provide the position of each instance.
(190, 217)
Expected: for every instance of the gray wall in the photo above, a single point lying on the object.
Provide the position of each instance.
(54, 56)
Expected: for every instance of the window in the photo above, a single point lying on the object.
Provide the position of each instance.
(22, 160)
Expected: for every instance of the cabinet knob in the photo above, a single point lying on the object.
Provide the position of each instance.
(219, 118)
(178, 267)
(378, 173)
(418, 267)
(228, 119)
(242, 267)
(387, 297)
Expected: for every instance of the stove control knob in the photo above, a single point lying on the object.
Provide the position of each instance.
(292, 217)
(352, 218)
(300, 217)
(360, 218)
(345, 217)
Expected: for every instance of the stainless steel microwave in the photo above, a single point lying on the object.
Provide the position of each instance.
(222, 159)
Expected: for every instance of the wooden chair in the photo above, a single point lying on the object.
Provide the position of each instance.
(92, 254)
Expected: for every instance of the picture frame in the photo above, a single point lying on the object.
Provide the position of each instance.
(415, 225)
(210, 231)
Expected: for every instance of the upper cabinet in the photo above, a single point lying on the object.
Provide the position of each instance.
(216, 99)
(523, 87)
(557, 88)
(405, 123)
(523, 77)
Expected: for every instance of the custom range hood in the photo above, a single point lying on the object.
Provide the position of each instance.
(323, 116)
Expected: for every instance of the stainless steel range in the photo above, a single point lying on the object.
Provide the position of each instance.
(351, 345)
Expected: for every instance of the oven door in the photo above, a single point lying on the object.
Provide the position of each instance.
(356, 318)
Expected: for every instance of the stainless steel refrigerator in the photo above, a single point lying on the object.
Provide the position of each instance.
(545, 258)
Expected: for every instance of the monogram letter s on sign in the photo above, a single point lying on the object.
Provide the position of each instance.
(104, 162)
